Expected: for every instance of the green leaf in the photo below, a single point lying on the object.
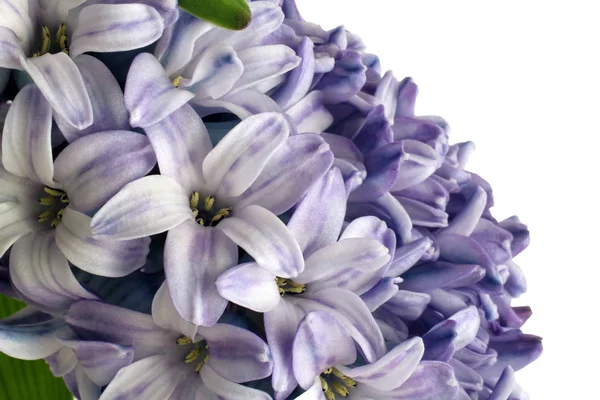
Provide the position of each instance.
(21, 380)
(229, 14)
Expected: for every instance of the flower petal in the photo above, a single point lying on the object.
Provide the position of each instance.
(408, 305)
(228, 390)
(10, 49)
(375, 131)
(30, 341)
(94, 168)
(346, 79)
(393, 369)
(321, 342)
(417, 164)
(310, 114)
(430, 380)
(106, 28)
(465, 222)
(144, 207)
(166, 316)
(504, 386)
(105, 96)
(41, 273)
(195, 256)
(59, 79)
(112, 258)
(379, 294)
(315, 392)
(406, 256)
(243, 104)
(266, 239)
(149, 95)
(237, 354)
(237, 160)
(427, 277)
(93, 320)
(289, 174)
(26, 145)
(249, 286)
(298, 82)
(318, 218)
(181, 143)
(423, 214)
(14, 15)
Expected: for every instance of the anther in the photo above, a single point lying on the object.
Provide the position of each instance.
(183, 341)
(209, 202)
(194, 200)
(340, 389)
(177, 81)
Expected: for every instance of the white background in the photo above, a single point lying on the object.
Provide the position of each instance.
(522, 80)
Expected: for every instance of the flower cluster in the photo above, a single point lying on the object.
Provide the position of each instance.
(196, 213)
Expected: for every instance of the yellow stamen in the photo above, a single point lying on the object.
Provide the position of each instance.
(45, 40)
(193, 355)
(43, 217)
(177, 81)
(195, 200)
(221, 214)
(327, 371)
(183, 341)
(347, 381)
(340, 389)
(53, 192)
(329, 394)
(200, 221)
(324, 384)
(46, 201)
(209, 202)
(55, 222)
(64, 199)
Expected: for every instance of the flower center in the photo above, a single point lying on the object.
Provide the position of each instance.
(207, 215)
(198, 354)
(289, 286)
(334, 382)
(55, 202)
(57, 45)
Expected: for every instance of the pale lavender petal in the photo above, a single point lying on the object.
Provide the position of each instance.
(430, 192)
(115, 27)
(383, 166)
(318, 219)
(427, 277)
(515, 349)
(238, 159)
(494, 239)
(417, 164)
(14, 15)
(112, 258)
(289, 174)
(408, 305)
(225, 389)
(321, 342)
(465, 222)
(520, 234)
(93, 320)
(266, 239)
(41, 273)
(10, 48)
(95, 167)
(315, 392)
(379, 294)
(407, 95)
(149, 95)
(345, 80)
(101, 361)
(243, 104)
(467, 326)
(249, 286)
(439, 341)
(26, 145)
(343, 147)
(106, 98)
(430, 380)
(466, 376)
(62, 362)
(195, 256)
(354, 173)
(59, 79)
(423, 214)
(298, 81)
(266, 18)
(392, 370)
(374, 132)
(516, 284)
(406, 256)
(30, 341)
(181, 143)
(310, 114)
(166, 316)
(427, 131)
(145, 207)
(504, 386)
(237, 354)
(281, 324)
(387, 94)
(262, 63)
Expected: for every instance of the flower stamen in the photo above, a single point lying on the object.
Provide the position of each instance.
(60, 41)
(334, 382)
(289, 286)
(55, 208)
(177, 81)
(207, 212)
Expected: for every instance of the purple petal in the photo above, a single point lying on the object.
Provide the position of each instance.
(321, 342)
(26, 146)
(392, 370)
(468, 378)
(237, 354)
(181, 143)
(346, 79)
(430, 192)
(298, 81)
(318, 219)
(504, 386)
(423, 214)
(266, 239)
(238, 159)
(93, 320)
(408, 305)
(439, 341)
(407, 94)
(379, 294)
(249, 286)
(494, 240)
(514, 349)
(166, 316)
(343, 147)
(144, 207)
(107, 28)
(243, 104)
(315, 392)
(94, 168)
(520, 234)
(15, 16)
(112, 258)
(262, 63)
(292, 170)
(30, 341)
(382, 170)
(430, 380)
(417, 164)
(149, 95)
(516, 284)
(106, 97)
(406, 256)
(59, 79)
(195, 256)
(387, 94)
(225, 389)
(427, 277)
(310, 114)
(10, 48)
(465, 222)
(375, 131)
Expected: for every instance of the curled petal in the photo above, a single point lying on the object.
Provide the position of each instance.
(310, 114)
(300, 79)
(346, 79)
(250, 286)
(408, 305)
(465, 222)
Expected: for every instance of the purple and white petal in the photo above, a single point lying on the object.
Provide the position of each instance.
(430, 380)
(375, 131)
(26, 137)
(149, 95)
(406, 256)
(10, 48)
(30, 341)
(310, 114)
(315, 392)
(107, 28)
(94, 168)
(238, 159)
(505, 385)
(408, 305)
(104, 257)
(243, 104)
(14, 15)
(249, 286)
(345, 80)
(289, 174)
(58, 78)
(298, 82)
(387, 94)
(144, 207)
(465, 222)
(392, 370)
(423, 214)
(227, 390)
(237, 354)
(181, 143)
(318, 219)
(382, 170)
(321, 342)
(105, 96)
(379, 294)
(427, 277)
(194, 257)
(41, 273)
(266, 239)
(417, 164)
(166, 316)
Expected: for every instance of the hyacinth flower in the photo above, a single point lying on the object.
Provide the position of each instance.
(41, 37)
(171, 357)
